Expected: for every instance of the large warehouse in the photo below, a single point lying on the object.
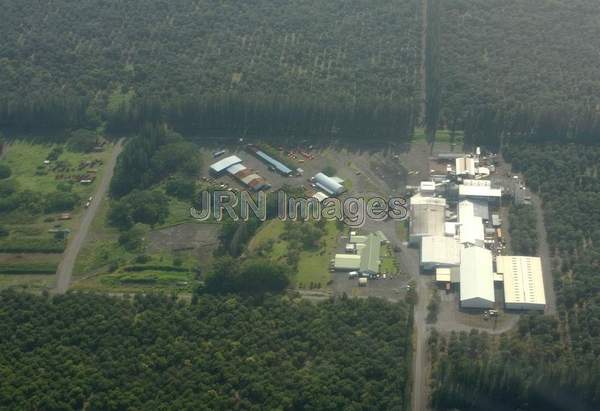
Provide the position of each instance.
(439, 251)
(476, 278)
(523, 282)
(328, 184)
(427, 217)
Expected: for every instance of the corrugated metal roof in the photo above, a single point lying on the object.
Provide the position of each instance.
(225, 163)
(275, 163)
(328, 184)
(320, 196)
(246, 180)
(347, 261)
(236, 168)
(478, 191)
(440, 251)
(369, 257)
(426, 220)
(523, 281)
(476, 278)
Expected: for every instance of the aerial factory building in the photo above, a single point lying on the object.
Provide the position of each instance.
(476, 278)
(427, 216)
(523, 282)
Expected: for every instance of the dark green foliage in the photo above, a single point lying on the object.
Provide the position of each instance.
(493, 83)
(157, 153)
(303, 235)
(255, 276)
(183, 188)
(281, 69)
(146, 207)
(4, 232)
(523, 230)
(28, 268)
(60, 201)
(31, 245)
(102, 353)
(5, 171)
(235, 235)
(133, 239)
(82, 141)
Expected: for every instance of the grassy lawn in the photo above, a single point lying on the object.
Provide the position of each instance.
(442, 136)
(313, 266)
(26, 161)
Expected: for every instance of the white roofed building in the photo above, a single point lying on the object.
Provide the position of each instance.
(320, 196)
(346, 262)
(465, 166)
(427, 216)
(223, 164)
(523, 282)
(328, 184)
(439, 252)
(474, 191)
(427, 188)
(471, 229)
(476, 278)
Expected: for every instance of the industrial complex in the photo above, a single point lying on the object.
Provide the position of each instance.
(456, 224)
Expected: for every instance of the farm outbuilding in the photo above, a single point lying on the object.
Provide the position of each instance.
(278, 165)
(346, 262)
(328, 184)
(220, 166)
(370, 256)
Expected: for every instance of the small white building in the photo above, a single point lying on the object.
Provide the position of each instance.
(427, 188)
(523, 282)
(346, 262)
(476, 278)
(465, 166)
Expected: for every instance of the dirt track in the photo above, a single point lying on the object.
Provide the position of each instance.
(65, 269)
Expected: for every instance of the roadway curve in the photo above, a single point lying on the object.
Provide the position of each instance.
(65, 269)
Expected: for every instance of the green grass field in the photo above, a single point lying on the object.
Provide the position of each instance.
(441, 136)
(313, 266)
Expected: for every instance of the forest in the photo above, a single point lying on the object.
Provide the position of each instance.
(211, 68)
(526, 68)
(547, 363)
(153, 352)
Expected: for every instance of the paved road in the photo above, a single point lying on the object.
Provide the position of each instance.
(65, 269)
(420, 392)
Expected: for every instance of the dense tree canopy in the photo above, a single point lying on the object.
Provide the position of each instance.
(100, 353)
(209, 67)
